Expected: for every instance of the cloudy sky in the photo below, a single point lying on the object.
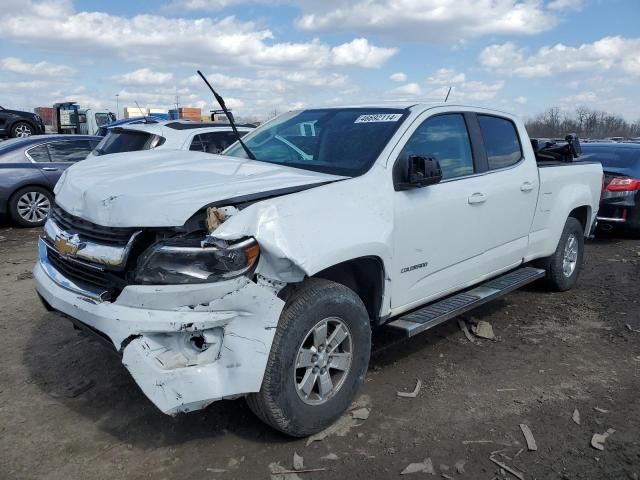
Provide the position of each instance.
(263, 56)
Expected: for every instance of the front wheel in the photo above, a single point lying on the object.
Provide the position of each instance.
(318, 359)
(564, 266)
(22, 130)
(30, 206)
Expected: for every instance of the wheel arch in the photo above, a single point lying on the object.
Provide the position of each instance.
(365, 276)
(583, 215)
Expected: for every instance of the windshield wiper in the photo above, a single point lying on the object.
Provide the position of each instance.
(229, 117)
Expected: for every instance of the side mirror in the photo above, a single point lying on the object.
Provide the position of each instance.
(415, 171)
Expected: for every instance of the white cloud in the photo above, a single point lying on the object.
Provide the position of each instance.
(408, 90)
(156, 40)
(608, 53)
(471, 91)
(433, 20)
(359, 52)
(144, 76)
(520, 100)
(42, 69)
(446, 76)
(566, 4)
(398, 77)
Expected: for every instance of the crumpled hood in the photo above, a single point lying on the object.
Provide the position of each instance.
(165, 188)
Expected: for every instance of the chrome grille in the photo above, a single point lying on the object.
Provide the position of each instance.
(117, 236)
(111, 282)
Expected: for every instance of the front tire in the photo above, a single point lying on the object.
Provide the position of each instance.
(22, 130)
(564, 266)
(30, 206)
(318, 359)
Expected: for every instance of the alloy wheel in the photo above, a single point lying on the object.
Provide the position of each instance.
(33, 207)
(323, 361)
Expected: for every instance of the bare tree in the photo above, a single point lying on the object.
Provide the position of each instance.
(586, 122)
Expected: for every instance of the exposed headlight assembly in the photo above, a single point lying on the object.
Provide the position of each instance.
(181, 261)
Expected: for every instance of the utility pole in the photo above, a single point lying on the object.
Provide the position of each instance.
(117, 107)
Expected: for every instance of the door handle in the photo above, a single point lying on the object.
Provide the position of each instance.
(50, 169)
(477, 197)
(527, 186)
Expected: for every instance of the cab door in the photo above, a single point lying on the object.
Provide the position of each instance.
(438, 228)
(511, 185)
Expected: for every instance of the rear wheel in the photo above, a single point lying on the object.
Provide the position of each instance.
(22, 130)
(318, 359)
(564, 266)
(30, 206)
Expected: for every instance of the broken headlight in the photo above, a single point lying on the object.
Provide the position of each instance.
(183, 261)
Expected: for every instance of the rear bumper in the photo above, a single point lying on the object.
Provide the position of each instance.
(620, 208)
(153, 328)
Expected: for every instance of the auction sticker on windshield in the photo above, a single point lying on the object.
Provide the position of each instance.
(378, 117)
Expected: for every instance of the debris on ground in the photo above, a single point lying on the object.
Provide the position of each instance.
(601, 410)
(341, 427)
(361, 413)
(483, 330)
(631, 329)
(444, 475)
(413, 394)
(465, 330)
(459, 466)
(24, 276)
(576, 417)
(216, 470)
(298, 461)
(331, 456)
(278, 472)
(423, 467)
(507, 468)
(598, 439)
(469, 442)
(528, 435)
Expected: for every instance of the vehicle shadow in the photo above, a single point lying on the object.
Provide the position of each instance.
(80, 373)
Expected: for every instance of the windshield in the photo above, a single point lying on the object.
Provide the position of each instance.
(338, 141)
(119, 140)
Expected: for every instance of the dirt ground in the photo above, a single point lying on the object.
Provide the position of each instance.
(69, 410)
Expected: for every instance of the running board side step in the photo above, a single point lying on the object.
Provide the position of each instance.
(424, 318)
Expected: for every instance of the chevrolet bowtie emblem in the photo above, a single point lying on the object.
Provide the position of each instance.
(67, 244)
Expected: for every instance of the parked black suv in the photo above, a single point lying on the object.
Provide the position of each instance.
(17, 124)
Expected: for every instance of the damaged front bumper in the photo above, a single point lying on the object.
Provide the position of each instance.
(186, 346)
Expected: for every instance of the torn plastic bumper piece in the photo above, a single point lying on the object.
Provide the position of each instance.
(183, 357)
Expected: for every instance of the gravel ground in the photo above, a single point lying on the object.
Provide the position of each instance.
(68, 409)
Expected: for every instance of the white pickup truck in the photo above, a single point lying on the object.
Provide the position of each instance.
(217, 277)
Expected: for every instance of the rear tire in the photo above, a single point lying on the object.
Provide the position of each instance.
(296, 398)
(30, 206)
(564, 266)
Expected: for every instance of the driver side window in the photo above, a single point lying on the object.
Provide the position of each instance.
(445, 138)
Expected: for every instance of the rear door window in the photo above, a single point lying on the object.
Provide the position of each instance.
(39, 153)
(501, 141)
(69, 150)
